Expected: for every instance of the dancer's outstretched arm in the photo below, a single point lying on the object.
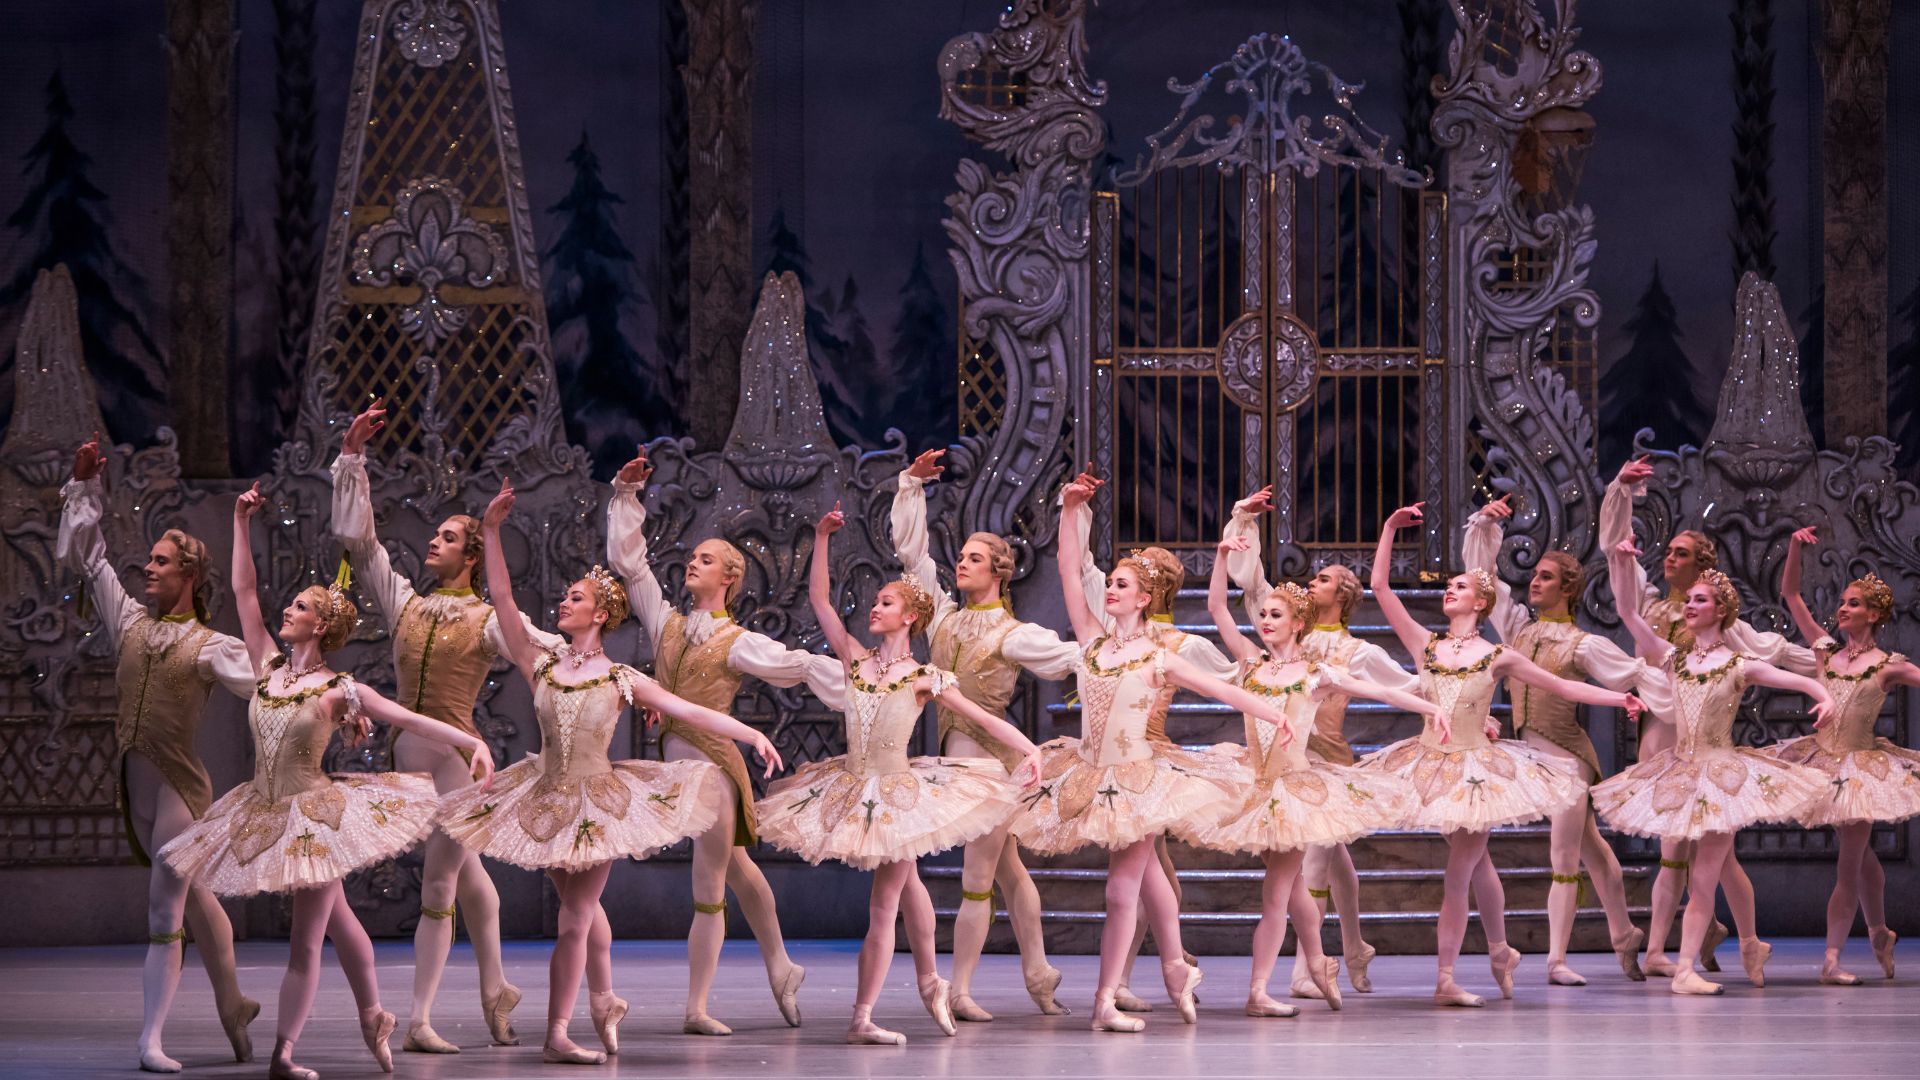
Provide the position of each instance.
(246, 585)
(648, 694)
(1333, 682)
(1790, 585)
(943, 689)
(1413, 636)
(911, 542)
(820, 589)
(1511, 665)
(352, 517)
(1244, 565)
(365, 699)
(1188, 676)
(1652, 648)
(627, 545)
(513, 632)
(1236, 642)
(1071, 552)
(1777, 678)
(1480, 550)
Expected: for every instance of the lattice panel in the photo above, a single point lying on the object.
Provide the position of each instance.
(431, 121)
(57, 785)
(983, 384)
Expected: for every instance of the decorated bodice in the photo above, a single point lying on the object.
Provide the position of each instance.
(1704, 704)
(1295, 699)
(881, 718)
(290, 735)
(1553, 645)
(1857, 700)
(577, 720)
(1466, 693)
(1121, 710)
(967, 643)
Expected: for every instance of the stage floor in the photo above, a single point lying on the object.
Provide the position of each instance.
(76, 1013)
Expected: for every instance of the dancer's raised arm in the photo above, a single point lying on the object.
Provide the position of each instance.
(519, 646)
(1223, 619)
(820, 588)
(1244, 565)
(1413, 636)
(1480, 550)
(1086, 624)
(352, 517)
(246, 585)
(1790, 585)
(627, 545)
(1651, 647)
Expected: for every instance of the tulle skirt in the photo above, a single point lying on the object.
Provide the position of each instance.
(1316, 803)
(825, 812)
(570, 823)
(1880, 784)
(1078, 803)
(1713, 790)
(1477, 788)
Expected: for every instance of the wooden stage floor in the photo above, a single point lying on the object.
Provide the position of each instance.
(76, 1012)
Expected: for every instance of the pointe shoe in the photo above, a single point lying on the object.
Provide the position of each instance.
(607, 1010)
(377, 1033)
(1259, 1003)
(495, 1010)
(701, 1025)
(1447, 992)
(1305, 986)
(1329, 982)
(570, 1055)
(1108, 1017)
(1044, 989)
(1753, 957)
(1126, 1000)
(1357, 970)
(868, 1033)
(236, 1029)
(281, 1066)
(154, 1061)
(1882, 941)
(1182, 979)
(1627, 949)
(1504, 965)
(786, 994)
(934, 994)
(1831, 974)
(1559, 974)
(422, 1039)
(964, 1008)
(1716, 934)
(1688, 981)
(1659, 967)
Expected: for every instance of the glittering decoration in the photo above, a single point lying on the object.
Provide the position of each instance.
(428, 32)
(429, 240)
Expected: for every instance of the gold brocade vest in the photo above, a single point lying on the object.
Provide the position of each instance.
(701, 674)
(986, 678)
(1328, 739)
(1663, 615)
(441, 659)
(1551, 716)
(161, 699)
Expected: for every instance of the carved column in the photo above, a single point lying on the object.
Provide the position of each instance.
(719, 76)
(199, 41)
(1853, 67)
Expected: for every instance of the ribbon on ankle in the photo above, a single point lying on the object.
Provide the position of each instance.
(1320, 894)
(718, 908)
(168, 938)
(439, 913)
(978, 897)
(1580, 896)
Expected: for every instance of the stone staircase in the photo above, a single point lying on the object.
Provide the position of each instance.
(1400, 872)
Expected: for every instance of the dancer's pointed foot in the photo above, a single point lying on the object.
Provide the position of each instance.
(607, 1009)
(154, 1061)
(1259, 1003)
(1447, 992)
(1832, 974)
(235, 1025)
(1108, 1017)
(422, 1039)
(1328, 980)
(561, 1050)
(281, 1066)
(1688, 981)
(1716, 934)
(1882, 940)
(864, 1032)
(934, 994)
(1504, 959)
(786, 993)
(1559, 974)
(1304, 985)
(1182, 979)
(1658, 966)
(1753, 957)
(1357, 969)
(495, 1011)
(964, 1008)
(1044, 990)
(1126, 1000)
(1627, 948)
(376, 1027)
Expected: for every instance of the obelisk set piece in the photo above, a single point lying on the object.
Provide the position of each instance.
(1293, 794)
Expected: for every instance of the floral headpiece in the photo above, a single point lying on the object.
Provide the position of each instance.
(1877, 593)
(1725, 592)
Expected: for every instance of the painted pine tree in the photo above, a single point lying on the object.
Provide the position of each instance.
(64, 219)
(1651, 384)
(923, 360)
(614, 396)
(1903, 386)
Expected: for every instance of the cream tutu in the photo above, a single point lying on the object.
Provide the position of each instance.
(1868, 778)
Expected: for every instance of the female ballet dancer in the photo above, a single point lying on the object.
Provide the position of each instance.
(1704, 789)
(444, 644)
(875, 808)
(985, 648)
(1467, 781)
(1295, 801)
(1869, 779)
(703, 657)
(1552, 725)
(169, 662)
(1688, 554)
(1121, 784)
(295, 829)
(569, 810)
(1335, 592)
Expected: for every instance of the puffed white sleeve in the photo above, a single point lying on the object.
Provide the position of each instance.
(1040, 651)
(1372, 663)
(1616, 525)
(1480, 550)
(1656, 692)
(353, 527)
(543, 640)
(627, 554)
(1772, 648)
(912, 544)
(1205, 655)
(771, 662)
(1608, 664)
(1248, 568)
(223, 659)
(82, 546)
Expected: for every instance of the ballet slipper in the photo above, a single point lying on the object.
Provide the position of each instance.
(1753, 957)
(1328, 982)
(964, 1008)
(607, 1011)
(377, 1028)
(495, 1009)
(1126, 1000)
(1107, 1015)
(1305, 986)
(1182, 978)
(1659, 967)
(864, 1032)
(1260, 1004)
(1627, 948)
(1357, 970)
(1883, 940)
(1559, 974)
(422, 1039)
(1448, 993)
(786, 994)
(281, 1066)
(1831, 974)
(236, 1028)
(1504, 964)
(571, 1055)
(935, 995)
(702, 1024)
(1043, 991)
(1688, 981)
(1716, 934)
(153, 1061)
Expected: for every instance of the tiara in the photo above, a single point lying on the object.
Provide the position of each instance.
(1724, 590)
(917, 595)
(1294, 594)
(1482, 579)
(1139, 561)
(604, 581)
(1877, 593)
